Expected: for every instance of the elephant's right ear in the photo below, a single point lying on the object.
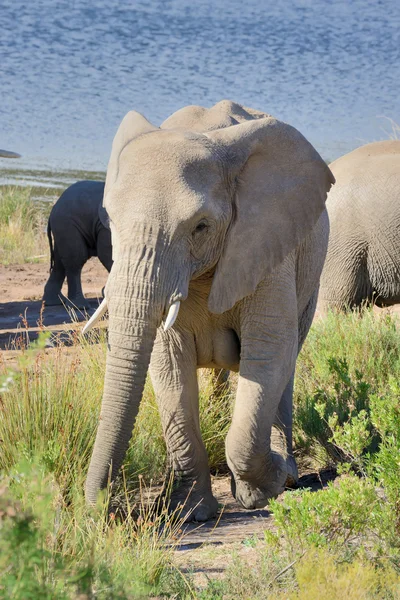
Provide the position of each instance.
(132, 126)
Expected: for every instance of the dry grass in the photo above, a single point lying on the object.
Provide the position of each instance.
(23, 236)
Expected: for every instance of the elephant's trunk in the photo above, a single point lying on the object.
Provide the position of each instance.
(137, 298)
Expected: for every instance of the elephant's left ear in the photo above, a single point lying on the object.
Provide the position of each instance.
(132, 126)
(281, 184)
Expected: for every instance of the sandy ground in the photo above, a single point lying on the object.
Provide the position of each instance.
(21, 290)
(26, 282)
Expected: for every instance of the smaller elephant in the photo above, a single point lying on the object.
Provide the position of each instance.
(80, 229)
(363, 260)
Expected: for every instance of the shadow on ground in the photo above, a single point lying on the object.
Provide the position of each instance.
(22, 321)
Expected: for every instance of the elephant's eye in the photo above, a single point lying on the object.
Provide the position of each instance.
(202, 226)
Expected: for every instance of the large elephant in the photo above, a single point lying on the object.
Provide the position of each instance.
(80, 228)
(363, 260)
(219, 227)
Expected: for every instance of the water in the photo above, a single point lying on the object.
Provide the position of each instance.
(69, 71)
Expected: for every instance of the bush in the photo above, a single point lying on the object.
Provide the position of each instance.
(319, 575)
(345, 360)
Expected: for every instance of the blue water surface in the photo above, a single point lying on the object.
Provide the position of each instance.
(69, 71)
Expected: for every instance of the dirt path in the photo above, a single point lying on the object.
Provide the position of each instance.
(236, 524)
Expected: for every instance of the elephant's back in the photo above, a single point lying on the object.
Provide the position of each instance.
(367, 184)
(372, 159)
(81, 198)
(223, 114)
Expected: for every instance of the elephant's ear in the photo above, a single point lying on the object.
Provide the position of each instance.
(280, 187)
(132, 126)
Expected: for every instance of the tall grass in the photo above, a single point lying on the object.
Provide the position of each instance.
(53, 408)
(22, 227)
(51, 544)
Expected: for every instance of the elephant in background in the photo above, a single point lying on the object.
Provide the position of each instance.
(363, 260)
(219, 228)
(80, 228)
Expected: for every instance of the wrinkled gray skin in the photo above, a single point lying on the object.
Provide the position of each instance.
(224, 209)
(80, 229)
(363, 260)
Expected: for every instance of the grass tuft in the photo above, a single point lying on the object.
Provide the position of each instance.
(23, 236)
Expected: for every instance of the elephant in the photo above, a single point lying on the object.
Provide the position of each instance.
(363, 260)
(219, 229)
(80, 228)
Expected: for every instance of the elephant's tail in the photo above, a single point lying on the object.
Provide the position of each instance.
(51, 245)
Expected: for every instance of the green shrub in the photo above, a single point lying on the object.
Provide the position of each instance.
(346, 510)
(318, 575)
(346, 359)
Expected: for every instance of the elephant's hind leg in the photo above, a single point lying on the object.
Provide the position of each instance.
(283, 443)
(174, 377)
(75, 255)
(282, 433)
(52, 295)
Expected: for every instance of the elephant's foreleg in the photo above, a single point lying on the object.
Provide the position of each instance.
(269, 343)
(174, 377)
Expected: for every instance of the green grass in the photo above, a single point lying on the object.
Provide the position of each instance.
(346, 414)
(51, 544)
(22, 227)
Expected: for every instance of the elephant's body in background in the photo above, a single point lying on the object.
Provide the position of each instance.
(79, 225)
(363, 260)
(220, 212)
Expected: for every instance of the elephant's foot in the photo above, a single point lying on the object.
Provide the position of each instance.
(55, 300)
(190, 502)
(253, 492)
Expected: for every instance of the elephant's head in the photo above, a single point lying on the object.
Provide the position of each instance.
(228, 203)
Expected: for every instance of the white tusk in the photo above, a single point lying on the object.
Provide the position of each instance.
(100, 311)
(172, 314)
